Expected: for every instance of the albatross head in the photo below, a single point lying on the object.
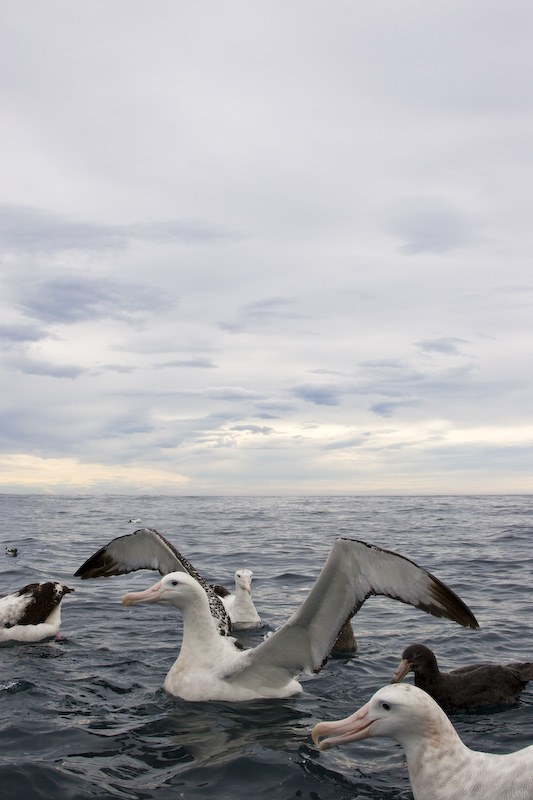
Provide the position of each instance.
(400, 711)
(176, 589)
(243, 580)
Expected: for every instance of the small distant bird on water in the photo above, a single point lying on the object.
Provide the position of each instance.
(475, 685)
(136, 521)
(441, 766)
(32, 613)
(11, 551)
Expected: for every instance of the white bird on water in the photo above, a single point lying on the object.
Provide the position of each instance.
(32, 613)
(240, 607)
(210, 667)
(441, 766)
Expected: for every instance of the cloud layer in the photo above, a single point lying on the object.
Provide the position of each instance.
(266, 249)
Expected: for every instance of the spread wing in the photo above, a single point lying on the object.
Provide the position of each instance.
(144, 549)
(147, 549)
(353, 572)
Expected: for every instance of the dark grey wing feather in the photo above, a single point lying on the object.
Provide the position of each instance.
(144, 549)
(147, 549)
(353, 572)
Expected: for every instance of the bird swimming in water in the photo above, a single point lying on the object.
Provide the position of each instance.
(210, 667)
(32, 613)
(240, 606)
(441, 766)
(465, 687)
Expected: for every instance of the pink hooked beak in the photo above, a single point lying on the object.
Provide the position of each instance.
(150, 595)
(350, 729)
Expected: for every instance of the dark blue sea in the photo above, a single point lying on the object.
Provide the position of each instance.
(85, 716)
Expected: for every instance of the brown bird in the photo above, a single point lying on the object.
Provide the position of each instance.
(475, 685)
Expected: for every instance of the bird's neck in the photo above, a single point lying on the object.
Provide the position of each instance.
(199, 628)
(242, 599)
(54, 617)
(426, 751)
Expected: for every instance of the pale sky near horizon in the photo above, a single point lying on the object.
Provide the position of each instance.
(277, 247)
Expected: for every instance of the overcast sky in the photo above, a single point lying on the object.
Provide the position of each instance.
(279, 247)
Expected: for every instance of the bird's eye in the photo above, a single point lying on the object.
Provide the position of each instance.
(174, 583)
(385, 706)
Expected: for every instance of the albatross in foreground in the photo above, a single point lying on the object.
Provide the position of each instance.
(210, 667)
(32, 613)
(441, 766)
(465, 687)
(147, 549)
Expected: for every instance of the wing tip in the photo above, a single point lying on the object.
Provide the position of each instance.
(451, 606)
(97, 566)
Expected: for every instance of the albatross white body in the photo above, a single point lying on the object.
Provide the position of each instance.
(240, 607)
(211, 667)
(441, 766)
(32, 613)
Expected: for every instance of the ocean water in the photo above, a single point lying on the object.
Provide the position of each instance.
(85, 716)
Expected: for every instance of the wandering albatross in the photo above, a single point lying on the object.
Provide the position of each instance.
(147, 549)
(441, 766)
(239, 606)
(32, 613)
(464, 687)
(209, 667)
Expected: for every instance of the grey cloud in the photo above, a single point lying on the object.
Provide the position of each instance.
(324, 372)
(57, 430)
(34, 367)
(261, 312)
(201, 363)
(195, 431)
(21, 333)
(24, 229)
(319, 395)
(76, 299)
(120, 368)
(393, 388)
(20, 427)
(253, 429)
(387, 408)
(188, 231)
(447, 345)
(273, 408)
(431, 225)
(230, 393)
(384, 363)
(128, 425)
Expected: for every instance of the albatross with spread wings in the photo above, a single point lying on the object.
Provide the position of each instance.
(210, 667)
(147, 549)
